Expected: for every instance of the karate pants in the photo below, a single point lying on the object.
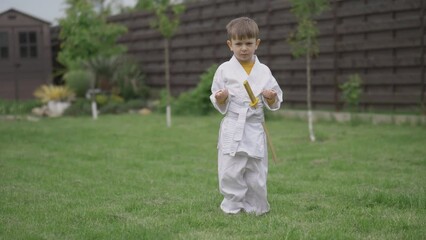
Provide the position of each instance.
(242, 182)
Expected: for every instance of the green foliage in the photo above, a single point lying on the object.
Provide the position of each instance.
(79, 107)
(103, 68)
(163, 102)
(117, 106)
(197, 101)
(136, 104)
(166, 15)
(303, 41)
(119, 74)
(85, 34)
(17, 107)
(130, 80)
(101, 99)
(112, 108)
(106, 7)
(106, 105)
(307, 9)
(79, 81)
(116, 99)
(352, 90)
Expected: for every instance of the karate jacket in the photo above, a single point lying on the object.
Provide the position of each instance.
(241, 129)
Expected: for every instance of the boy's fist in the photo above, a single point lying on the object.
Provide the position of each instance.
(269, 94)
(221, 96)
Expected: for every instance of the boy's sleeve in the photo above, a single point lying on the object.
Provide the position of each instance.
(217, 85)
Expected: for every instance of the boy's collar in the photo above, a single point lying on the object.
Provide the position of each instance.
(254, 59)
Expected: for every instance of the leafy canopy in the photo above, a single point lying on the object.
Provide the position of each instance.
(166, 15)
(86, 33)
(303, 40)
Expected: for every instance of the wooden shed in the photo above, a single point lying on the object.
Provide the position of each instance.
(25, 54)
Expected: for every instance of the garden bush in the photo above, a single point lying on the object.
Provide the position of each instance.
(18, 107)
(118, 107)
(136, 104)
(161, 107)
(80, 107)
(352, 90)
(197, 101)
(130, 80)
(101, 99)
(109, 105)
(79, 81)
(119, 75)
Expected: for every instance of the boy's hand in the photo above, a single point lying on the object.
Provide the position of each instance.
(270, 96)
(221, 96)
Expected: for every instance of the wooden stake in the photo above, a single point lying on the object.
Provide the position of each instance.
(254, 102)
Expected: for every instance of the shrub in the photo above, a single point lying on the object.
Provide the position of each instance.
(47, 93)
(352, 90)
(80, 107)
(119, 75)
(130, 80)
(112, 107)
(109, 102)
(161, 107)
(79, 81)
(103, 68)
(101, 99)
(197, 101)
(17, 107)
(116, 99)
(135, 104)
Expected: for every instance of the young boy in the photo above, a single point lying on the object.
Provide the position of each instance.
(242, 149)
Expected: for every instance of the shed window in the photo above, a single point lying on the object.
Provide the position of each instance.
(4, 45)
(28, 44)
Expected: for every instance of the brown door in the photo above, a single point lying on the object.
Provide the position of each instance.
(7, 66)
(30, 71)
(25, 69)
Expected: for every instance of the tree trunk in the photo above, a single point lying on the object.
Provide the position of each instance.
(308, 96)
(94, 110)
(422, 58)
(167, 75)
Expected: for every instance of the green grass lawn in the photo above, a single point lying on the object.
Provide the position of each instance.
(129, 177)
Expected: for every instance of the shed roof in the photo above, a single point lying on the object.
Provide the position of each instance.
(25, 14)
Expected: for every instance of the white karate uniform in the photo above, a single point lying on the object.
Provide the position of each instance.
(242, 148)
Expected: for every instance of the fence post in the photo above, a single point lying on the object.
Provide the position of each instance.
(335, 56)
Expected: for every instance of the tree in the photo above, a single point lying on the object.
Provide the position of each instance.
(86, 34)
(108, 7)
(166, 22)
(304, 43)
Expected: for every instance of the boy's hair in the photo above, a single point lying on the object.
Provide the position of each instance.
(242, 27)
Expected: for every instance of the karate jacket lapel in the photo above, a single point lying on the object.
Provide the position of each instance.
(256, 79)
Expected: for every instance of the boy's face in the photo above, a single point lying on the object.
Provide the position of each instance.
(243, 48)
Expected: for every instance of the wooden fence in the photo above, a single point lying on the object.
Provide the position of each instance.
(381, 40)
